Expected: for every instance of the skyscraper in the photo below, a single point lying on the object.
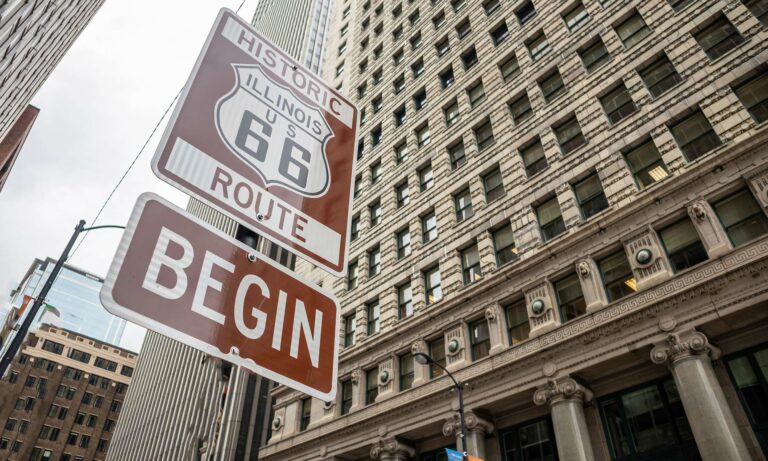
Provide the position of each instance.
(564, 204)
(11, 144)
(34, 35)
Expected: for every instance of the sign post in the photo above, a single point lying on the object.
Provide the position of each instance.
(177, 275)
(259, 137)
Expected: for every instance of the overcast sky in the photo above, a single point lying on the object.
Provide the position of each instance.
(96, 110)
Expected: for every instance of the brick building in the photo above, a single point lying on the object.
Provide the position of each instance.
(564, 203)
(62, 396)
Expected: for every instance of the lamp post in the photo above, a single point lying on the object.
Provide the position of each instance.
(18, 338)
(425, 359)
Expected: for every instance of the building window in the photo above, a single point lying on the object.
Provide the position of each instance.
(659, 76)
(401, 195)
(371, 385)
(404, 301)
(443, 47)
(422, 136)
(363, 66)
(403, 243)
(374, 211)
(373, 312)
(399, 116)
(520, 108)
(349, 330)
(414, 17)
(479, 339)
(552, 86)
(493, 185)
(500, 33)
(759, 8)
(678, 5)
(476, 94)
(550, 220)
(415, 42)
(590, 196)
(470, 265)
(754, 94)
(518, 326)
(417, 68)
(569, 135)
(646, 164)
(469, 58)
(525, 12)
(401, 152)
(531, 440)
(437, 352)
(534, 159)
(398, 57)
(632, 30)
(406, 371)
(72, 438)
(102, 445)
(504, 245)
(683, 246)
(694, 135)
(618, 104)
(80, 356)
(509, 68)
(718, 38)
(570, 298)
(463, 203)
(594, 55)
(457, 155)
(490, 6)
(397, 34)
(741, 216)
(446, 78)
(451, 113)
(438, 20)
(375, 172)
(374, 262)
(648, 423)
(617, 276)
(434, 292)
(54, 347)
(426, 178)
(463, 29)
(399, 84)
(750, 378)
(10, 424)
(360, 148)
(340, 69)
(538, 46)
(354, 231)
(484, 135)
(576, 17)
(428, 227)
(376, 132)
(352, 276)
(346, 397)
(458, 4)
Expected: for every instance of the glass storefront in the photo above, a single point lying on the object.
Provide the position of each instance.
(530, 441)
(749, 372)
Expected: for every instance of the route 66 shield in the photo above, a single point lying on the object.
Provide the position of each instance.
(274, 132)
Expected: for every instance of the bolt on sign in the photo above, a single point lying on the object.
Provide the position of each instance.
(179, 276)
(261, 138)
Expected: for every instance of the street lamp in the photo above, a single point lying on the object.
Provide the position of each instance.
(425, 359)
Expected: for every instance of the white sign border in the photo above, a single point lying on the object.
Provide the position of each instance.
(113, 307)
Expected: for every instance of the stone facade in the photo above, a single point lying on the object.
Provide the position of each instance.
(580, 352)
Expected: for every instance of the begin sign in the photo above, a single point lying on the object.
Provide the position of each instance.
(179, 276)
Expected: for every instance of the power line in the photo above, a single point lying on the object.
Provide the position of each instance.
(135, 159)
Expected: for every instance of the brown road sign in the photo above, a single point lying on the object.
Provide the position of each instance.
(261, 138)
(179, 276)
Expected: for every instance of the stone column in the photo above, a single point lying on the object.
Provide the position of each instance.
(391, 449)
(689, 357)
(566, 399)
(476, 430)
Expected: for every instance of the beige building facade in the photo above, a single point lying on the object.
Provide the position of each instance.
(563, 203)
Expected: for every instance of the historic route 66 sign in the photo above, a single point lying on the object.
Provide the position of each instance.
(259, 112)
(265, 141)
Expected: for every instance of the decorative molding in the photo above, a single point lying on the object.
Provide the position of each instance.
(417, 346)
(582, 267)
(681, 346)
(391, 447)
(356, 376)
(698, 211)
(472, 422)
(557, 390)
(492, 312)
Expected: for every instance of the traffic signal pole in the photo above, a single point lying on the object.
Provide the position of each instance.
(21, 333)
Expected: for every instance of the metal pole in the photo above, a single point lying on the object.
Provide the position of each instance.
(460, 390)
(21, 334)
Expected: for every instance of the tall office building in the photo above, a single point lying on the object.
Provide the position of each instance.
(564, 204)
(75, 297)
(62, 396)
(34, 35)
(183, 404)
(11, 144)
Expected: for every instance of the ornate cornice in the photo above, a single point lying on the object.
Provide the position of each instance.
(391, 447)
(472, 422)
(558, 390)
(682, 346)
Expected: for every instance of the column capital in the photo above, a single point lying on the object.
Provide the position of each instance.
(472, 421)
(557, 390)
(391, 448)
(684, 345)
